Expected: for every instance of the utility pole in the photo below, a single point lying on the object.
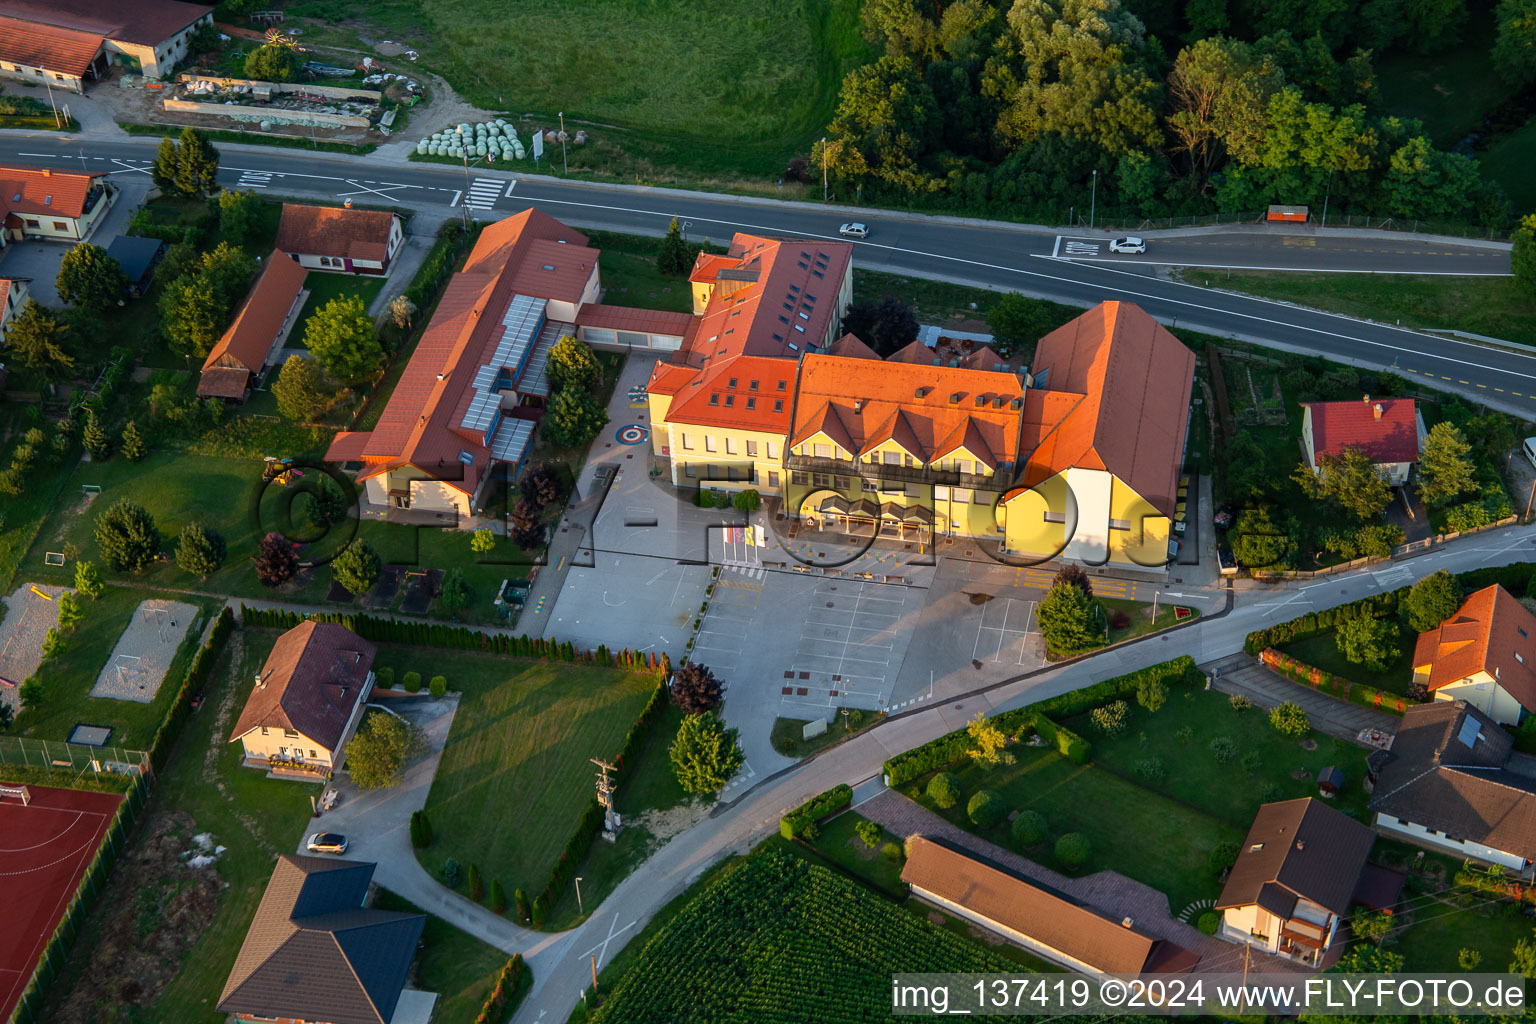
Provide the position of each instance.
(594, 977)
(1093, 208)
(1531, 501)
(565, 168)
(1326, 194)
(464, 203)
(1154, 608)
(823, 168)
(56, 122)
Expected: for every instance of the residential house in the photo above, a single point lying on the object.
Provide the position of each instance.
(1390, 431)
(138, 258)
(1044, 922)
(39, 202)
(339, 239)
(1452, 780)
(1301, 868)
(256, 335)
(1105, 425)
(1484, 655)
(314, 954)
(13, 296)
(465, 409)
(308, 700)
(67, 42)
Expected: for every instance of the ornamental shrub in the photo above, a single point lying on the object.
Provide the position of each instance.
(384, 677)
(1208, 922)
(986, 808)
(520, 906)
(869, 832)
(498, 897)
(1111, 719)
(1290, 720)
(476, 883)
(1073, 849)
(1224, 749)
(891, 852)
(450, 873)
(1223, 856)
(412, 682)
(944, 790)
(1029, 828)
(438, 686)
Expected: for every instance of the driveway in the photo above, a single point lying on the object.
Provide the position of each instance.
(1242, 674)
(377, 826)
(38, 262)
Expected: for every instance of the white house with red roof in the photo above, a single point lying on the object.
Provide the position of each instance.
(1390, 431)
(39, 202)
(13, 295)
(471, 396)
(64, 42)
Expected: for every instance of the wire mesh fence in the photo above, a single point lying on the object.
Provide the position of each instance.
(57, 756)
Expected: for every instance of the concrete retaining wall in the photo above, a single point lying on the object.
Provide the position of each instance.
(334, 92)
(274, 114)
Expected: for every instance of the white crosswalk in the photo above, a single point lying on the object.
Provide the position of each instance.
(1391, 579)
(484, 193)
(254, 179)
(1081, 248)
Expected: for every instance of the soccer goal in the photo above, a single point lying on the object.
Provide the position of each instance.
(19, 792)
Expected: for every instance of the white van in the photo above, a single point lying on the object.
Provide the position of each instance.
(1530, 449)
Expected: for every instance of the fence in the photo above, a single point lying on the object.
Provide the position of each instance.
(56, 953)
(78, 758)
(1401, 551)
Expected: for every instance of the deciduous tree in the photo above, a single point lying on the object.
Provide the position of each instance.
(239, 215)
(695, 689)
(1368, 641)
(272, 63)
(1522, 257)
(1217, 93)
(341, 337)
(383, 746)
(1432, 600)
(574, 418)
(192, 316)
(526, 526)
(326, 504)
(276, 560)
(991, 743)
(300, 389)
(885, 326)
(705, 754)
(89, 278)
(127, 536)
(1350, 479)
(482, 543)
(1514, 48)
(572, 365)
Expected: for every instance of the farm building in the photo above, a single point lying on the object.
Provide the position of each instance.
(69, 42)
(256, 334)
(339, 239)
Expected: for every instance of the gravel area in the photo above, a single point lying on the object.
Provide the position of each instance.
(28, 618)
(144, 651)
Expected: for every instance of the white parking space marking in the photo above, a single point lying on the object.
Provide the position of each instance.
(846, 649)
(1002, 636)
(483, 193)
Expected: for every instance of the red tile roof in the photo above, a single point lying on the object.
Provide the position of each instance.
(644, 321)
(914, 404)
(1114, 396)
(915, 352)
(708, 397)
(223, 382)
(40, 190)
(420, 423)
(850, 347)
(249, 338)
(148, 22)
(311, 683)
(1394, 437)
(1074, 930)
(46, 46)
(1491, 632)
(335, 231)
(552, 270)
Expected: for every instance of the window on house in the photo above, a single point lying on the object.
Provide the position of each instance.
(911, 462)
(940, 492)
(1256, 847)
(980, 497)
(730, 446)
(687, 443)
(1522, 631)
(1055, 517)
(752, 385)
(914, 490)
(709, 443)
(798, 477)
(891, 458)
(821, 479)
(1520, 657)
(264, 730)
(290, 734)
(822, 451)
(313, 754)
(751, 449)
(780, 387)
(960, 494)
(59, 225)
(773, 479)
(731, 383)
(778, 405)
(751, 403)
(730, 400)
(714, 399)
(689, 471)
(773, 449)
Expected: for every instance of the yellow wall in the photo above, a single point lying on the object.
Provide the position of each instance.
(808, 446)
(1144, 545)
(262, 747)
(1483, 693)
(658, 406)
(1025, 530)
(710, 466)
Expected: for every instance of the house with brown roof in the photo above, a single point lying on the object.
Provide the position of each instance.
(307, 700)
(1483, 654)
(1044, 922)
(339, 238)
(68, 42)
(1452, 780)
(1301, 868)
(314, 954)
(13, 296)
(1105, 424)
(1390, 431)
(253, 339)
(40, 202)
(470, 398)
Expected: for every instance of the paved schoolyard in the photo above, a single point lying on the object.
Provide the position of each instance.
(648, 604)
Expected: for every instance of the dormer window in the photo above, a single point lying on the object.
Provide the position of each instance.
(549, 266)
(466, 458)
(1519, 657)
(1256, 847)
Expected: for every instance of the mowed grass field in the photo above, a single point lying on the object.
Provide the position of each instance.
(515, 775)
(734, 87)
(1492, 306)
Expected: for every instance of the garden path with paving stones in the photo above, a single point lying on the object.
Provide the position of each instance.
(143, 653)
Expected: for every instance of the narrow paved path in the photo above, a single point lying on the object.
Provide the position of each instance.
(1243, 674)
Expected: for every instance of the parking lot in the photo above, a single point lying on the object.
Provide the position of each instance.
(847, 648)
(1006, 633)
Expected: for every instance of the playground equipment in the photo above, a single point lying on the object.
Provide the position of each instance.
(279, 471)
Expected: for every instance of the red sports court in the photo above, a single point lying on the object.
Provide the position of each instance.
(45, 847)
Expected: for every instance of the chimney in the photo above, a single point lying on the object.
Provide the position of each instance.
(261, 682)
(47, 173)
(1017, 403)
(997, 403)
(1126, 922)
(981, 400)
(347, 204)
(442, 376)
(1365, 398)
(1376, 410)
(1301, 844)
(954, 399)
(858, 405)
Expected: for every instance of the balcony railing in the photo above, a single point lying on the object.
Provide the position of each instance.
(874, 473)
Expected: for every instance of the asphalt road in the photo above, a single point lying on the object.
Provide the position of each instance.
(1072, 269)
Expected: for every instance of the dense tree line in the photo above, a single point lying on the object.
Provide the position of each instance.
(1161, 107)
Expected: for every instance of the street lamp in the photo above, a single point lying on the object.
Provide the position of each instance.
(823, 168)
(1093, 208)
(579, 908)
(686, 225)
(565, 168)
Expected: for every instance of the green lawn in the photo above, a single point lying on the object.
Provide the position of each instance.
(1231, 792)
(787, 734)
(725, 92)
(1323, 652)
(518, 757)
(1492, 306)
(840, 843)
(1437, 931)
(457, 966)
(323, 287)
(254, 817)
(1151, 837)
(67, 680)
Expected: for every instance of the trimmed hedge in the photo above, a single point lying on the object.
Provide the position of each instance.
(952, 747)
(1337, 686)
(506, 994)
(197, 674)
(815, 809)
(1063, 739)
(1312, 624)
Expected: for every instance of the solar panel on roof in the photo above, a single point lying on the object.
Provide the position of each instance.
(511, 440)
(482, 411)
(484, 377)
